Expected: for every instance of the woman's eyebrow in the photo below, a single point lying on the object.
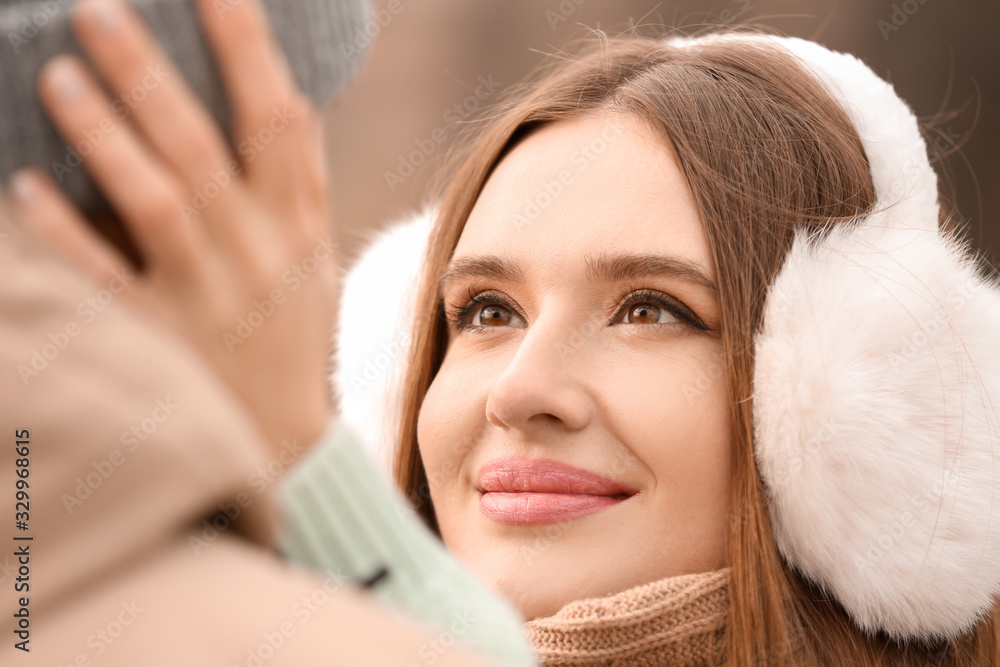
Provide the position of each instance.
(606, 267)
(493, 267)
(614, 267)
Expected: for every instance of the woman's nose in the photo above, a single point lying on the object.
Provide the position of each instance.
(545, 381)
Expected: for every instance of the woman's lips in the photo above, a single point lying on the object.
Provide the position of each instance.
(526, 492)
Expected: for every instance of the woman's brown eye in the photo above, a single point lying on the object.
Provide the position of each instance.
(648, 313)
(494, 316)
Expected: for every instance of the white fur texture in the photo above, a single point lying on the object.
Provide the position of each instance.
(373, 339)
(905, 183)
(877, 390)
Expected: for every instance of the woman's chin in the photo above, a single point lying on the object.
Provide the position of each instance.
(540, 584)
(542, 568)
(535, 584)
(538, 597)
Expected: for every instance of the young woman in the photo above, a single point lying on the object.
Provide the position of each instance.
(697, 371)
(665, 390)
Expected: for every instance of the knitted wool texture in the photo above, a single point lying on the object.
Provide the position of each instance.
(678, 621)
(323, 40)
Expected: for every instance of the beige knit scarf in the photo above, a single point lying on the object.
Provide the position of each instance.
(677, 621)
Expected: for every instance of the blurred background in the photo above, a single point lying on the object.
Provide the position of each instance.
(436, 64)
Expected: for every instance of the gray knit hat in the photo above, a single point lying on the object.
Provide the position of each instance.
(323, 40)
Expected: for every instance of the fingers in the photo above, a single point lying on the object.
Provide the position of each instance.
(148, 163)
(313, 180)
(150, 91)
(143, 192)
(253, 66)
(46, 212)
(289, 171)
(278, 132)
(178, 132)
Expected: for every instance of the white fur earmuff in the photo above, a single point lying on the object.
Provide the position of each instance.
(372, 341)
(877, 390)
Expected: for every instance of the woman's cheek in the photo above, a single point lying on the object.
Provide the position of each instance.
(432, 432)
(446, 434)
(681, 430)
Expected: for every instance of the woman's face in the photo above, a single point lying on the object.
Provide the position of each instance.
(577, 436)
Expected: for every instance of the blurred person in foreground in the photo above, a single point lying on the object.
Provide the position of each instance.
(147, 435)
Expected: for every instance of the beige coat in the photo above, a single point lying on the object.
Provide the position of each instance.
(132, 446)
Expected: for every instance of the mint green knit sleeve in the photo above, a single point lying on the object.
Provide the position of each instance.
(342, 515)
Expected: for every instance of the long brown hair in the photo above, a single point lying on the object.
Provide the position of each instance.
(766, 151)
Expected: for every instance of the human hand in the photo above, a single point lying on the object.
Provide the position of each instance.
(240, 262)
